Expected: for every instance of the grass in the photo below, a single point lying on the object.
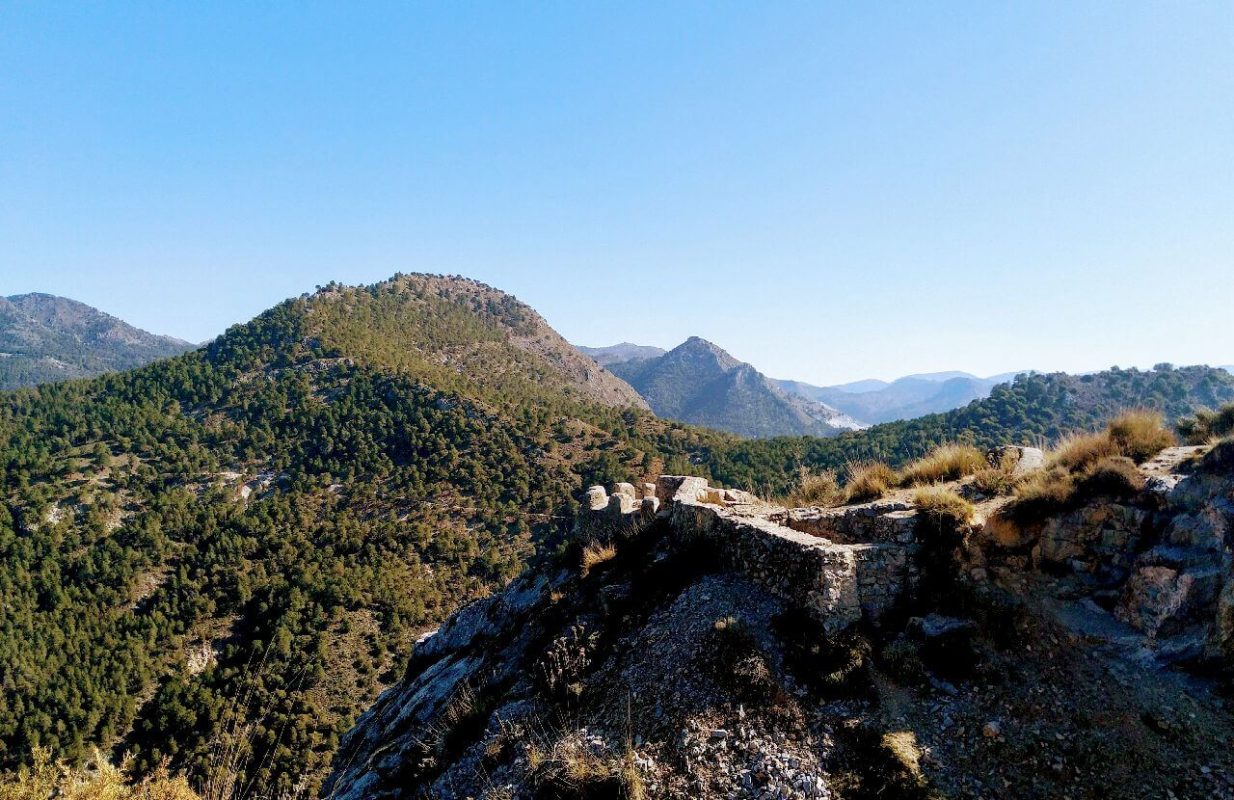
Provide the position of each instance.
(1079, 450)
(816, 489)
(1085, 466)
(946, 462)
(869, 480)
(1140, 434)
(943, 505)
(99, 780)
(595, 554)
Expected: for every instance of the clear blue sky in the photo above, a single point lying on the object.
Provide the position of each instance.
(829, 190)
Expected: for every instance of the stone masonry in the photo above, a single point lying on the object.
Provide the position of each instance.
(842, 565)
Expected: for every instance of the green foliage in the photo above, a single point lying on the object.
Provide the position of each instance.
(302, 498)
(1207, 425)
(1028, 411)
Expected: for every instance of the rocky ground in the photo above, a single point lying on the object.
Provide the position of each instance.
(653, 671)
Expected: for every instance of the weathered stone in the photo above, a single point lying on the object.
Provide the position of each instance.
(1021, 460)
(597, 498)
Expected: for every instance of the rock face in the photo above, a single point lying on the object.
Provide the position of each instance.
(688, 634)
(531, 636)
(1158, 562)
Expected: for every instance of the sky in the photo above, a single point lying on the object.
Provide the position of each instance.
(831, 191)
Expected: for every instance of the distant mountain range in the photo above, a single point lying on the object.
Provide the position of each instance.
(620, 353)
(874, 401)
(700, 383)
(44, 338)
(682, 387)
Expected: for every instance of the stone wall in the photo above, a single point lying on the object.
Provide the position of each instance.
(843, 568)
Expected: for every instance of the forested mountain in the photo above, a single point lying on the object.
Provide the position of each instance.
(44, 338)
(1032, 409)
(220, 558)
(699, 383)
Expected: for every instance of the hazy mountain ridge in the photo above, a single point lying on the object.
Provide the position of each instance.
(700, 383)
(620, 353)
(903, 398)
(47, 338)
(865, 402)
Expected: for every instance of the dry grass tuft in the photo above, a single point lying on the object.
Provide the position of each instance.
(946, 462)
(1140, 434)
(816, 489)
(1081, 450)
(595, 554)
(869, 480)
(944, 505)
(100, 780)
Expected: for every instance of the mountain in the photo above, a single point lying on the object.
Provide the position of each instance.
(620, 353)
(872, 402)
(221, 558)
(699, 383)
(45, 338)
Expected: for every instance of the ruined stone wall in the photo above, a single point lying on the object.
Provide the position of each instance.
(841, 582)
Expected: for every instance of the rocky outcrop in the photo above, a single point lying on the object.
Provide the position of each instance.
(1158, 563)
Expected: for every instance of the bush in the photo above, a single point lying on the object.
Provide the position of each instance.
(869, 480)
(994, 481)
(943, 505)
(1044, 492)
(1140, 434)
(816, 489)
(1207, 425)
(1116, 476)
(946, 462)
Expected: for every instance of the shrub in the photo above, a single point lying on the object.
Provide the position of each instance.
(994, 481)
(816, 489)
(868, 481)
(946, 462)
(1140, 434)
(739, 663)
(943, 505)
(1116, 476)
(1207, 425)
(1044, 492)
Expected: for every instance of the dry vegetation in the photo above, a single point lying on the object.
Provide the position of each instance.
(869, 480)
(946, 462)
(943, 504)
(1084, 466)
(100, 780)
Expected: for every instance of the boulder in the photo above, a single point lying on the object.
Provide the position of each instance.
(1021, 460)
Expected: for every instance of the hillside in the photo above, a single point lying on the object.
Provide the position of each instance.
(44, 338)
(699, 383)
(1033, 409)
(222, 557)
(698, 642)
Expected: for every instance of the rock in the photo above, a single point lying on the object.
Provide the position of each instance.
(1020, 460)
(597, 498)
(992, 730)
